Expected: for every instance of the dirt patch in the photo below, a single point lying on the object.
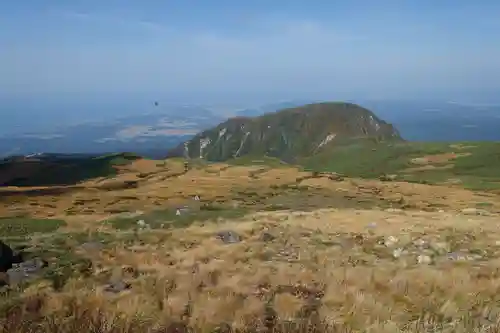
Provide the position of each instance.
(141, 165)
(429, 167)
(437, 159)
(459, 146)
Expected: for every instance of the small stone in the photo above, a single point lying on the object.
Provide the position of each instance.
(228, 236)
(457, 256)
(424, 259)
(390, 241)
(420, 243)
(141, 223)
(475, 211)
(117, 286)
(397, 253)
(387, 177)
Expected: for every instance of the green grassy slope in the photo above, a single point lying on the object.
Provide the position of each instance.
(480, 169)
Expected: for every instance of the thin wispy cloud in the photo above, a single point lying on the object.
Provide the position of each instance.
(95, 17)
(348, 51)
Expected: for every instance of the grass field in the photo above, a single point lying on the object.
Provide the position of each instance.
(314, 253)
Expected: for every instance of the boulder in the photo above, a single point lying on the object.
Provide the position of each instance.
(8, 257)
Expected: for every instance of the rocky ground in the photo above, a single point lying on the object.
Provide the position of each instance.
(273, 250)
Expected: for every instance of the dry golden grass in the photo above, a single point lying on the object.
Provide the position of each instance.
(324, 268)
(327, 270)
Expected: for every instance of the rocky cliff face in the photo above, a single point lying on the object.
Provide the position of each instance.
(289, 133)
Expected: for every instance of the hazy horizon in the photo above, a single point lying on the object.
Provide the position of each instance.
(76, 61)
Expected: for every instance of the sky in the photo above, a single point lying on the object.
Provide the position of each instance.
(262, 49)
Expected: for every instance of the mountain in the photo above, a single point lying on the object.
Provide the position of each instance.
(288, 134)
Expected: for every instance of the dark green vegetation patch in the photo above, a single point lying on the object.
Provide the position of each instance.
(25, 226)
(60, 170)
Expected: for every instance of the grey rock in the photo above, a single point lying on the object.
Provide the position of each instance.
(229, 236)
(33, 265)
(390, 241)
(420, 243)
(463, 256)
(16, 275)
(92, 246)
(397, 253)
(25, 270)
(117, 286)
(424, 259)
(457, 256)
(393, 210)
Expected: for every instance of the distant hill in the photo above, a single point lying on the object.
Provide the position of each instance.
(59, 169)
(288, 134)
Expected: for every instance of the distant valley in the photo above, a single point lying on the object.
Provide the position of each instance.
(147, 134)
(154, 133)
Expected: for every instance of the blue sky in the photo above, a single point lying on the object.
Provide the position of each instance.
(274, 49)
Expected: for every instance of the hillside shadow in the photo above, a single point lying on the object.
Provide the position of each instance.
(60, 171)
